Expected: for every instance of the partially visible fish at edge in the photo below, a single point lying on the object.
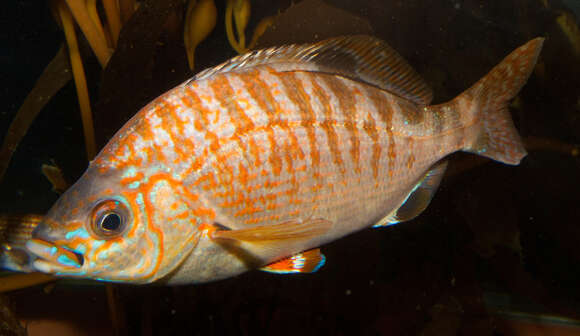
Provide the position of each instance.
(15, 231)
(259, 161)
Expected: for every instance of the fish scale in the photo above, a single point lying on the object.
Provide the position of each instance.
(260, 160)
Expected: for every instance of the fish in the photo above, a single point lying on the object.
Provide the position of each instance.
(258, 162)
(15, 231)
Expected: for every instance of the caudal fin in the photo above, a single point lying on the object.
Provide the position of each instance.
(498, 139)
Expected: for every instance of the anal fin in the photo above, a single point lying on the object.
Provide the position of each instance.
(305, 262)
(419, 197)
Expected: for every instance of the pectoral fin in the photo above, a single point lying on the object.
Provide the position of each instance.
(290, 230)
(305, 262)
(419, 197)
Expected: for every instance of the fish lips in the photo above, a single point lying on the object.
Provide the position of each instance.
(55, 259)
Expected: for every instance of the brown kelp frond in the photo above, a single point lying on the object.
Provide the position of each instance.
(569, 27)
(79, 78)
(242, 10)
(200, 20)
(116, 313)
(96, 41)
(229, 29)
(24, 280)
(56, 74)
(94, 15)
(139, 59)
(261, 27)
(113, 19)
(239, 12)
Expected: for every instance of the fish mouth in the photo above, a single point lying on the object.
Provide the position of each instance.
(54, 259)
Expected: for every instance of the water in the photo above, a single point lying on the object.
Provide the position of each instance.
(494, 238)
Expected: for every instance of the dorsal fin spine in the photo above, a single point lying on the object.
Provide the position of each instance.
(361, 58)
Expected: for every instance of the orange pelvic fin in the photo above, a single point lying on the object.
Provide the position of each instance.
(290, 230)
(305, 262)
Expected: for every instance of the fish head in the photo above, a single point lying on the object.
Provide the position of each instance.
(103, 230)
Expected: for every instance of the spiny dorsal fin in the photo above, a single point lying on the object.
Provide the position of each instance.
(358, 57)
(419, 197)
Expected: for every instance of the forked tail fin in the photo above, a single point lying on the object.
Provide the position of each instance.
(498, 139)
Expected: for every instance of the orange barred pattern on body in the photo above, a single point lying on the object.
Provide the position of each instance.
(306, 116)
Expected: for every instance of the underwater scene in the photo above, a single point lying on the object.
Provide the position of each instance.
(313, 167)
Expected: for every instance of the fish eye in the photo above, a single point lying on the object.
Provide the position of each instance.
(111, 222)
(109, 219)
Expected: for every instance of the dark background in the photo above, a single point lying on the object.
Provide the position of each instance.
(496, 240)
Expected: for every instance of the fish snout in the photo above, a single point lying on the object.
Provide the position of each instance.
(52, 257)
(44, 231)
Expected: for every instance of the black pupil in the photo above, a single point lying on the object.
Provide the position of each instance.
(111, 222)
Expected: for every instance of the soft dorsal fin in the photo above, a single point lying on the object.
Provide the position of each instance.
(419, 197)
(359, 57)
